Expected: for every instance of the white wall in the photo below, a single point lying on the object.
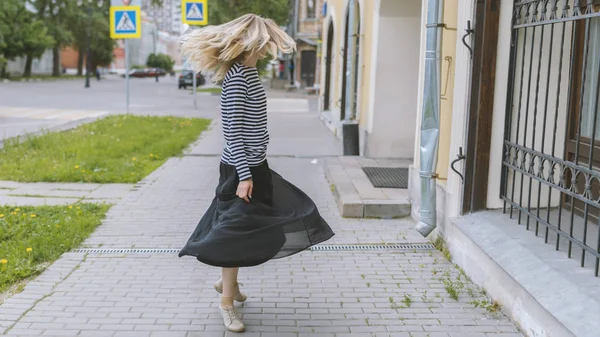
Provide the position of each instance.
(41, 66)
(392, 133)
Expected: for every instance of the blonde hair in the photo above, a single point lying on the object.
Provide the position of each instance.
(216, 48)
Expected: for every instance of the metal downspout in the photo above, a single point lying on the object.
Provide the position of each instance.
(430, 119)
(350, 125)
(350, 53)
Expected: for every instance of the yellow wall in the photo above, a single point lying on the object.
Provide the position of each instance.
(449, 35)
(365, 65)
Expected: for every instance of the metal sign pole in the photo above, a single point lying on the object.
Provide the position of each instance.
(127, 73)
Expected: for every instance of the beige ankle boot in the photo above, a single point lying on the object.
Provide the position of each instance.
(238, 297)
(231, 319)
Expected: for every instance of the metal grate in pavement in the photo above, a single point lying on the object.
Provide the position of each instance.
(317, 248)
(396, 247)
(125, 251)
(387, 177)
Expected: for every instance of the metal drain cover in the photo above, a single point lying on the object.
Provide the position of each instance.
(126, 251)
(387, 177)
(317, 248)
(396, 247)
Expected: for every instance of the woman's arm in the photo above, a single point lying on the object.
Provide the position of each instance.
(236, 92)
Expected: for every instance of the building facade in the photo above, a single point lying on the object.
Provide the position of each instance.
(382, 96)
(517, 168)
(306, 30)
(167, 17)
(517, 176)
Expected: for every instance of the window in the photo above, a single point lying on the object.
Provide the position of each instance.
(591, 83)
(311, 9)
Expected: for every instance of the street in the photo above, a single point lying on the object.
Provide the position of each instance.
(128, 281)
(35, 106)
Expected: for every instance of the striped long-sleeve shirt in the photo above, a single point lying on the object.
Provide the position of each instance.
(244, 119)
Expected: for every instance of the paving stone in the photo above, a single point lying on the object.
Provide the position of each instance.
(321, 293)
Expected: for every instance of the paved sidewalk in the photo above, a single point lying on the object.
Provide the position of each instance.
(19, 121)
(37, 194)
(335, 293)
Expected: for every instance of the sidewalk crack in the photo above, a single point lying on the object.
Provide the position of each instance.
(52, 291)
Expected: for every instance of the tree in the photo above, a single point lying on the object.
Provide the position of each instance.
(57, 15)
(21, 33)
(160, 61)
(92, 14)
(226, 10)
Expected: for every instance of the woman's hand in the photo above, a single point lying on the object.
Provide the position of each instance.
(244, 190)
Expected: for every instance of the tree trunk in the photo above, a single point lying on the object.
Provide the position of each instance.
(80, 63)
(56, 61)
(28, 62)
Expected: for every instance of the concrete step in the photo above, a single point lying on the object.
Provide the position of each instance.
(355, 195)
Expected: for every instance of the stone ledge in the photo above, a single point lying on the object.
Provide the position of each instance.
(356, 197)
(542, 299)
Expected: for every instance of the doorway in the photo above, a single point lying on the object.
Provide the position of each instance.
(308, 66)
(328, 56)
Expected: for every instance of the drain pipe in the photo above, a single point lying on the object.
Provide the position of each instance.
(430, 119)
(350, 125)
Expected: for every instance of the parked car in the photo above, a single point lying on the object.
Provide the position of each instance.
(151, 72)
(136, 73)
(186, 79)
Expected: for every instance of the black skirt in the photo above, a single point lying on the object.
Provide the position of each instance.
(279, 221)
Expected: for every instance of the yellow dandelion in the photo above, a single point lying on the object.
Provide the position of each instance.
(134, 158)
(1, 215)
(78, 207)
(33, 215)
(151, 155)
(70, 206)
(29, 250)
(76, 166)
(13, 213)
(17, 210)
(3, 261)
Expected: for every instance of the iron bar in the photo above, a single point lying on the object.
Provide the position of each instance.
(509, 112)
(556, 112)
(566, 165)
(560, 233)
(548, 74)
(525, 129)
(574, 17)
(535, 115)
(569, 98)
(519, 121)
(578, 137)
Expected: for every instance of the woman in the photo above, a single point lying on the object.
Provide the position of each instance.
(256, 215)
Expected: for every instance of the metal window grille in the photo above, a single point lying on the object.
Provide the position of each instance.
(551, 158)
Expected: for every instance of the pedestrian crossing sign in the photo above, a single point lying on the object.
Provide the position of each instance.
(125, 22)
(194, 12)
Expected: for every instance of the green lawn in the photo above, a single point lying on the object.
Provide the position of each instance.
(33, 237)
(48, 77)
(116, 149)
(213, 90)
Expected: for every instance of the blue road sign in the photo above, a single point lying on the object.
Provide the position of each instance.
(125, 22)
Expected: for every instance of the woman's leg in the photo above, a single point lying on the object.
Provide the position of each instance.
(231, 319)
(229, 286)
